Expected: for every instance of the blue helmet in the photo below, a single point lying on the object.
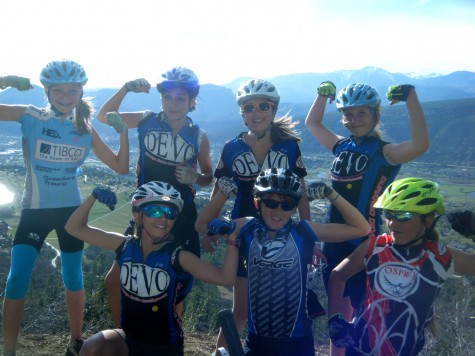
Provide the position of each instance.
(63, 72)
(357, 95)
(180, 77)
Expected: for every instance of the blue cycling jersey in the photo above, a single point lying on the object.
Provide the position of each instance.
(239, 163)
(53, 149)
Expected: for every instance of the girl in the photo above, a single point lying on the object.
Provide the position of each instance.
(364, 163)
(154, 268)
(56, 141)
(279, 253)
(405, 271)
(269, 142)
(171, 147)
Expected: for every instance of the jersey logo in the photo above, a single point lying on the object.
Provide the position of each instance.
(245, 164)
(164, 146)
(62, 153)
(270, 252)
(50, 133)
(396, 280)
(143, 281)
(349, 164)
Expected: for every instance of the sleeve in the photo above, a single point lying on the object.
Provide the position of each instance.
(299, 167)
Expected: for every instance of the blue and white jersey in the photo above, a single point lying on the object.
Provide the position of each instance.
(53, 149)
(239, 163)
(161, 151)
(149, 291)
(360, 173)
(277, 271)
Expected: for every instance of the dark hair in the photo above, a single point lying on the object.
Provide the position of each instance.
(282, 129)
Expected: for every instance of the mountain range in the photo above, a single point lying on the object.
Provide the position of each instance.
(448, 101)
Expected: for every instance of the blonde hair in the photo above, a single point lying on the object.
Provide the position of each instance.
(83, 114)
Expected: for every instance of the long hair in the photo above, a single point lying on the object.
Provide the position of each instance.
(282, 129)
(83, 114)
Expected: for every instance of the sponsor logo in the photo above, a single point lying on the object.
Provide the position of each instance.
(51, 152)
(144, 281)
(166, 147)
(396, 280)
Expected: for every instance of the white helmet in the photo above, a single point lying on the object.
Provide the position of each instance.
(63, 72)
(257, 88)
(180, 77)
(159, 192)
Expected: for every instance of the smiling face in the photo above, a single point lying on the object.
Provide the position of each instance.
(64, 97)
(176, 103)
(259, 119)
(358, 120)
(156, 229)
(276, 218)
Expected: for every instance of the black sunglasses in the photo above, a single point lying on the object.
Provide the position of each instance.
(248, 108)
(274, 204)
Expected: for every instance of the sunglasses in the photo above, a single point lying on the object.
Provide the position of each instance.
(274, 204)
(248, 108)
(398, 215)
(156, 211)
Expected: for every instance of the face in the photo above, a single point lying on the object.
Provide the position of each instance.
(278, 217)
(358, 120)
(64, 97)
(258, 119)
(176, 103)
(408, 229)
(157, 221)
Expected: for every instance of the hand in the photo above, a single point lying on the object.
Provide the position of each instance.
(318, 257)
(13, 81)
(116, 121)
(228, 187)
(138, 86)
(341, 332)
(221, 227)
(463, 222)
(327, 89)
(185, 174)
(105, 196)
(397, 93)
(318, 190)
(209, 243)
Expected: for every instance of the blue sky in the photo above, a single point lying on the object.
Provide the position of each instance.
(222, 40)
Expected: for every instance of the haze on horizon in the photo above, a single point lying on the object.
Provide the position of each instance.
(222, 41)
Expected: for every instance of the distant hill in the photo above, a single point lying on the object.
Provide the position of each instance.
(448, 101)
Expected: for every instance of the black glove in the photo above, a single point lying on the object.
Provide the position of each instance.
(341, 332)
(463, 222)
(318, 190)
(399, 92)
(105, 196)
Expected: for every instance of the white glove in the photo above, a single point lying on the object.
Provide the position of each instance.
(185, 174)
(138, 86)
(116, 121)
(228, 187)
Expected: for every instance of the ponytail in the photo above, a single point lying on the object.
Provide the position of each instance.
(83, 114)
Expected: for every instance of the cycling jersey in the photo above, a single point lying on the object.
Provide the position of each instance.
(149, 289)
(277, 271)
(53, 149)
(239, 163)
(402, 287)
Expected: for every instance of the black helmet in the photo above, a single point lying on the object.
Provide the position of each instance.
(279, 181)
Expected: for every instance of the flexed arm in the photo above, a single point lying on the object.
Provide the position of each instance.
(313, 121)
(406, 151)
(78, 227)
(114, 102)
(118, 162)
(13, 112)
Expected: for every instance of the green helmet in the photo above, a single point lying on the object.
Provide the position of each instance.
(415, 195)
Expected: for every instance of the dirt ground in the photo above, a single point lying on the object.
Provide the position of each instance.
(54, 345)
